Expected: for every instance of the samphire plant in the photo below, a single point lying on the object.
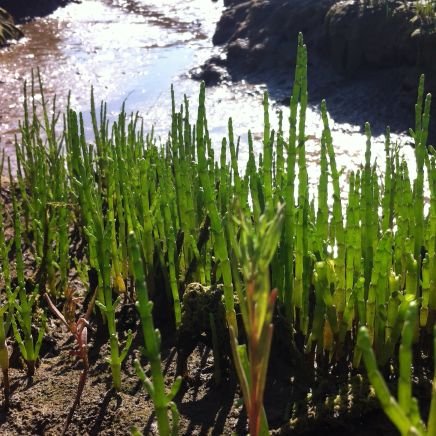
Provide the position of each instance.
(404, 411)
(6, 309)
(96, 201)
(155, 385)
(254, 250)
(79, 330)
(346, 257)
(26, 305)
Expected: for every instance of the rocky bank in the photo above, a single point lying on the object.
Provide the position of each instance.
(365, 56)
(8, 30)
(23, 10)
(19, 11)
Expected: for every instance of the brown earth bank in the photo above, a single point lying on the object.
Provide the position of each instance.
(40, 406)
(365, 57)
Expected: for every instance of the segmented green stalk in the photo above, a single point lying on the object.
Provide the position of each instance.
(289, 227)
(280, 160)
(4, 353)
(216, 225)
(404, 413)
(388, 197)
(268, 141)
(405, 357)
(234, 161)
(431, 425)
(171, 244)
(156, 385)
(322, 218)
(391, 408)
(23, 316)
(253, 179)
(255, 250)
(368, 209)
(7, 308)
(393, 304)
(337, 233)
(321, 283)
(351, 231)
(108, 306)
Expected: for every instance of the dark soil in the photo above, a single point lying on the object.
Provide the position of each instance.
(40, 406)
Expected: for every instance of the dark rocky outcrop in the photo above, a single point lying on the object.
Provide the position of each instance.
(20, 11)
(366, 51)
(8, 30)
(261, 34)
(23, 10)
(379, 35)
(211, 73)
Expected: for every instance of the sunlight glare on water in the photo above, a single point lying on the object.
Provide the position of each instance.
(131, 51)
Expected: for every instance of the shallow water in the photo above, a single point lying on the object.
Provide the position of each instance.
(132, 51)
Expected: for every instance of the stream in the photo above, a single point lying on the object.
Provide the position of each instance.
(131, 51)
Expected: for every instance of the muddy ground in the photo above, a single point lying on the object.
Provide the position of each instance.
(40, 406)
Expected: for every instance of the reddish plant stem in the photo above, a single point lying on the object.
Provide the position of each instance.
(259, 356)
(79, 329)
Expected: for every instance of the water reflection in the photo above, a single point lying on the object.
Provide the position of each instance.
(131, 51)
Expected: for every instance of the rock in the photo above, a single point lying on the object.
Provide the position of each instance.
(370, 51)
(23, 10)
(211, 73)
(355, 34)
(8, 30)
(239, 51)
(425, 43)
(228, 3)
(261, 34)
(370, 35)
(199, 303)
(229, 22)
